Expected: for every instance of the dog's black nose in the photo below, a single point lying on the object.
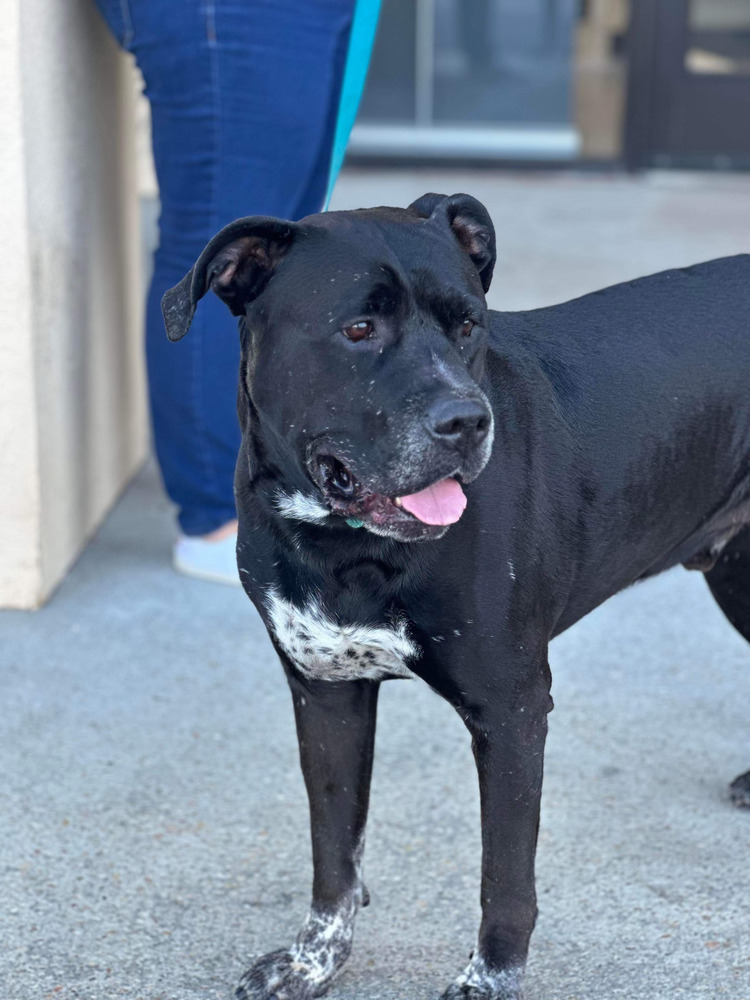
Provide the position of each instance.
(459, 421)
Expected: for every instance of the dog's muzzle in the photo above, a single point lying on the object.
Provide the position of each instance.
(418, 493)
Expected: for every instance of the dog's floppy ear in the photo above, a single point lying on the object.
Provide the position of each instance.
(236, 264)
(471, 224)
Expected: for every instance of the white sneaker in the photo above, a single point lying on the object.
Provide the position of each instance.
(206, 560)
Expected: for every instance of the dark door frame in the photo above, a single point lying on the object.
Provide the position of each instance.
(673, 117)
(641, 50)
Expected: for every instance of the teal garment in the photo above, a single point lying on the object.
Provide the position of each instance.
(361, 40)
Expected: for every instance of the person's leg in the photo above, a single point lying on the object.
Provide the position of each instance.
(244, 101)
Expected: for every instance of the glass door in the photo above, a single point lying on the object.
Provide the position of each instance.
(471, 78)
(691, 97)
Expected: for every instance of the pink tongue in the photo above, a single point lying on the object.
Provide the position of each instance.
(441, 503)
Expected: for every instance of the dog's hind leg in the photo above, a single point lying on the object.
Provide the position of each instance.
(336, 731)
(729, 581)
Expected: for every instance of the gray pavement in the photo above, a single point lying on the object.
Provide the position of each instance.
(154, 828)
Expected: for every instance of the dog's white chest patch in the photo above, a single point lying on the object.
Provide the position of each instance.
(322, 648)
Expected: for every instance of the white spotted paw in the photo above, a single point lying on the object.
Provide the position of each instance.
(465, 992)
(480, 982)
(276, 977)
(309, 967)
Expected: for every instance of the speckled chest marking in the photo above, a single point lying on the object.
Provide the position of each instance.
(324, 649)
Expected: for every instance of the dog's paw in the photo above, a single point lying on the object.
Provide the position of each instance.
(480, 982)
(739, 791)
(276, 977)
(308, 968)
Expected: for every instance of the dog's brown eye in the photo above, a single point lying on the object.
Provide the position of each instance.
(359, 331)
(466, 327)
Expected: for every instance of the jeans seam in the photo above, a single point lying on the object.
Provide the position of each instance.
(216, 86)
(200, 342)
(303, 202)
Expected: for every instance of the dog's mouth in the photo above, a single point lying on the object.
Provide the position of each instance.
(426, 513)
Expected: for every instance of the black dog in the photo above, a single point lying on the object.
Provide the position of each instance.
(375, 387)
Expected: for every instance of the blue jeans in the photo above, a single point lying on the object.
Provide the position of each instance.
(244, 96)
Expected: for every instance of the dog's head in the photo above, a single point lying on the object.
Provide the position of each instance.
(363, 347)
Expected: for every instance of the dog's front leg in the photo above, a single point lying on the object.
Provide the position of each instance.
(508, 725)
(336, 731)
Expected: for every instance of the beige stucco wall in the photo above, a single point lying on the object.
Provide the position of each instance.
(72, 414)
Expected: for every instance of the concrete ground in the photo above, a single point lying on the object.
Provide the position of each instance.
(154, 829)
